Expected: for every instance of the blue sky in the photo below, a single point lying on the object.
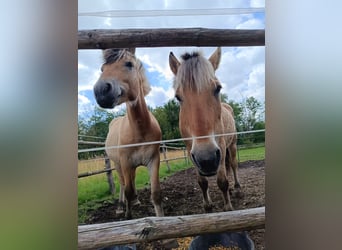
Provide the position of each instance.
(241, 71)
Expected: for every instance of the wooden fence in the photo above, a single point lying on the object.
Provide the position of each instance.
(116, 38)
(155, 228)
(108, 169)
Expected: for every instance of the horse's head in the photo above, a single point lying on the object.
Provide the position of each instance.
(121, 79)
(198, 92)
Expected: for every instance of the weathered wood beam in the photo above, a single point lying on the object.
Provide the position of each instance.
(91, 143)
(156, 228)
(109, 38)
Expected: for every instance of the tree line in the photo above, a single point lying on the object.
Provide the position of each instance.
(249, 115)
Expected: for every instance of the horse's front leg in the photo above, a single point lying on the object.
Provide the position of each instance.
(156, 197)
(233, 164)
(128, 172)
(203, 183)
(121, 204)
(135, 201)
(223, 184)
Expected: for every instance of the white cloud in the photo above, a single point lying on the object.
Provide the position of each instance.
(251, 24)
(82, 66)
(257, 3)
(158, 96)
(242, 73)
(83, 99)
(241, 70)
(156, 62)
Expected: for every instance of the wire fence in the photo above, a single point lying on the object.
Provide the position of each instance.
(172, 150)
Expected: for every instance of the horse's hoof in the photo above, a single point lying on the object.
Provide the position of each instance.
(136, 202)
(208, 208)
(238, 193)
(128, 216)
(119, 211)
(228, 208)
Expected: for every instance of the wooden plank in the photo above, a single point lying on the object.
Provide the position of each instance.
(91, 143)
(109, 174)
(156, 228)
(94, 172)
(118, 38)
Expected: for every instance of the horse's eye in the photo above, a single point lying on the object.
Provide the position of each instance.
(217, 90)
(102, 68)
(178, 98)
(129, 64)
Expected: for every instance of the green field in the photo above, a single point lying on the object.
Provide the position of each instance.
(94, 190)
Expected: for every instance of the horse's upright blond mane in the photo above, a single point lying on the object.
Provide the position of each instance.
(195, 72)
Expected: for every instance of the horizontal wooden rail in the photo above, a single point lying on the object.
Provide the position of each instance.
(95, 143)
(173, 159)
(116, 38)
(155, 228)
(90, 173)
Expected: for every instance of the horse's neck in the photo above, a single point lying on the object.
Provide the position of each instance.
(137, 112)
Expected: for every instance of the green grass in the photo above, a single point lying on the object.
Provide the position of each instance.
(247, 154)
(93, 191)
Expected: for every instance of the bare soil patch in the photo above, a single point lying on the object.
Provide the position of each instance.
(182, 196)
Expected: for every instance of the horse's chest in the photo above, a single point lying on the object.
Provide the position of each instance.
(141, 156)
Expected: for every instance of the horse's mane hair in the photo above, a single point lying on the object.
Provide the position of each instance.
(114, 55)
(195, 72)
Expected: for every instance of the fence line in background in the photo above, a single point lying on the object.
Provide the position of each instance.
(167, 141)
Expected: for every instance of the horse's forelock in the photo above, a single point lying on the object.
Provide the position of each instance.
(187, 56)
(195, 72)
(113, 55)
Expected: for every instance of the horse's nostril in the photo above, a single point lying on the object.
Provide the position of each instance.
(107, 87)
(218, 154)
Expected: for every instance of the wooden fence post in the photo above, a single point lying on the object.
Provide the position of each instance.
(165, 158)
(109, 175)
(185, 156)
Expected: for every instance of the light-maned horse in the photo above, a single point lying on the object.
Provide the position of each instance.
(202, 114)
(123, 80)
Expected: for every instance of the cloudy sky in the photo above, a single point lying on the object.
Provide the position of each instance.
(241, 71)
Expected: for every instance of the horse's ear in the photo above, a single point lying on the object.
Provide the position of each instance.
(174, 63)
(132, 50)
(215, 58)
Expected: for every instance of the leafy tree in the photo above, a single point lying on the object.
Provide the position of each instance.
(250, 120)
(251, 107)
(237, 108)
(224, 98)
(259, 137)
(97, 125)
(168, 118)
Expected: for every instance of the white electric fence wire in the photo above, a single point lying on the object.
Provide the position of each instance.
(174, 12)
(167, 141)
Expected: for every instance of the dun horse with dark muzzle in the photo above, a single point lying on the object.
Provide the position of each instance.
(202, 116)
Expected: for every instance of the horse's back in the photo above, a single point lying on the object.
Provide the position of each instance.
(227, 114)
(228, 107)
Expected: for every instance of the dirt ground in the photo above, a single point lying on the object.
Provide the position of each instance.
(182, 196)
